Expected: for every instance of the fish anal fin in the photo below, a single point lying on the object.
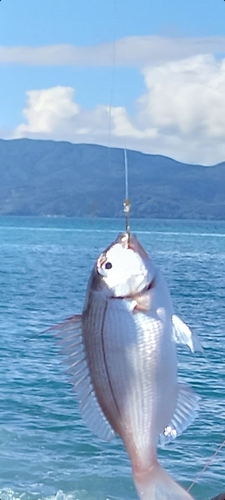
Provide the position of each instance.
(185, 413)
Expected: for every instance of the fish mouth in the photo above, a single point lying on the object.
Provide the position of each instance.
(100, 263)
(130, 241)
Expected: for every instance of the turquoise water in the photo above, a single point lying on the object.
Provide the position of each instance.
(45, 450)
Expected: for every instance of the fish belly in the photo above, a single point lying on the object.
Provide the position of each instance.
(132, 365)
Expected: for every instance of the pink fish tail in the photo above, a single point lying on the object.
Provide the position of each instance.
(156, 484)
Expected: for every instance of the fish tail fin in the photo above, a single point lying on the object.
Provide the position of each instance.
(156, 484)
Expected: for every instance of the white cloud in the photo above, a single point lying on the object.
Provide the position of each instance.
(136, 51)
(47, 110)
(181, 114)
(53, 113)
(185, 102)
(188, 95)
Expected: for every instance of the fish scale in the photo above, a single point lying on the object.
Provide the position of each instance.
(95, 352)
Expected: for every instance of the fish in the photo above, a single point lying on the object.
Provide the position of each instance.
(121, 354)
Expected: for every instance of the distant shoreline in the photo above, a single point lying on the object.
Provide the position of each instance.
(59, 179)
(119, 217)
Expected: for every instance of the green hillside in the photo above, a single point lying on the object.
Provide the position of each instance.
(58, 178)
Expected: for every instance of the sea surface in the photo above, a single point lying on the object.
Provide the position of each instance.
(46, 452)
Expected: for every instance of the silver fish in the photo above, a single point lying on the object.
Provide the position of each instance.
(122, 360)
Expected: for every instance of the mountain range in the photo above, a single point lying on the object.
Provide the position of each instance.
(63, 179)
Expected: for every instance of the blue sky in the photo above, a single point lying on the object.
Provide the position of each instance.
(148, 73)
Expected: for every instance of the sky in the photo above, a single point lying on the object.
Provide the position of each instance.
(147, 75)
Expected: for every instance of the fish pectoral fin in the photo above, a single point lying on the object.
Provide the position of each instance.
(183, 335)
(69, 338)
(185, 413)
(143, 303)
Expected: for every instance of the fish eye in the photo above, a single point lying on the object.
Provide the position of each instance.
(108, 265)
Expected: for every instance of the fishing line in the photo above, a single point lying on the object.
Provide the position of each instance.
(112, 83)
(206, 465)
(126, 203)
(126, 175)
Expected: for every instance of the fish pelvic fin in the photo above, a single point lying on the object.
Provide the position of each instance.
(183, 335)
(69, 337)
(157, 484)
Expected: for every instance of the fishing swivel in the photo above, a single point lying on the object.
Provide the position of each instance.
(127, 206)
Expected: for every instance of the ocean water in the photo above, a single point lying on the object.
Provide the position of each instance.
(46, 452)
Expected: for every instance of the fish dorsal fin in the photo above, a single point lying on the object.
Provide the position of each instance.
(69, 335)
(185, 413)
(183, 335)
